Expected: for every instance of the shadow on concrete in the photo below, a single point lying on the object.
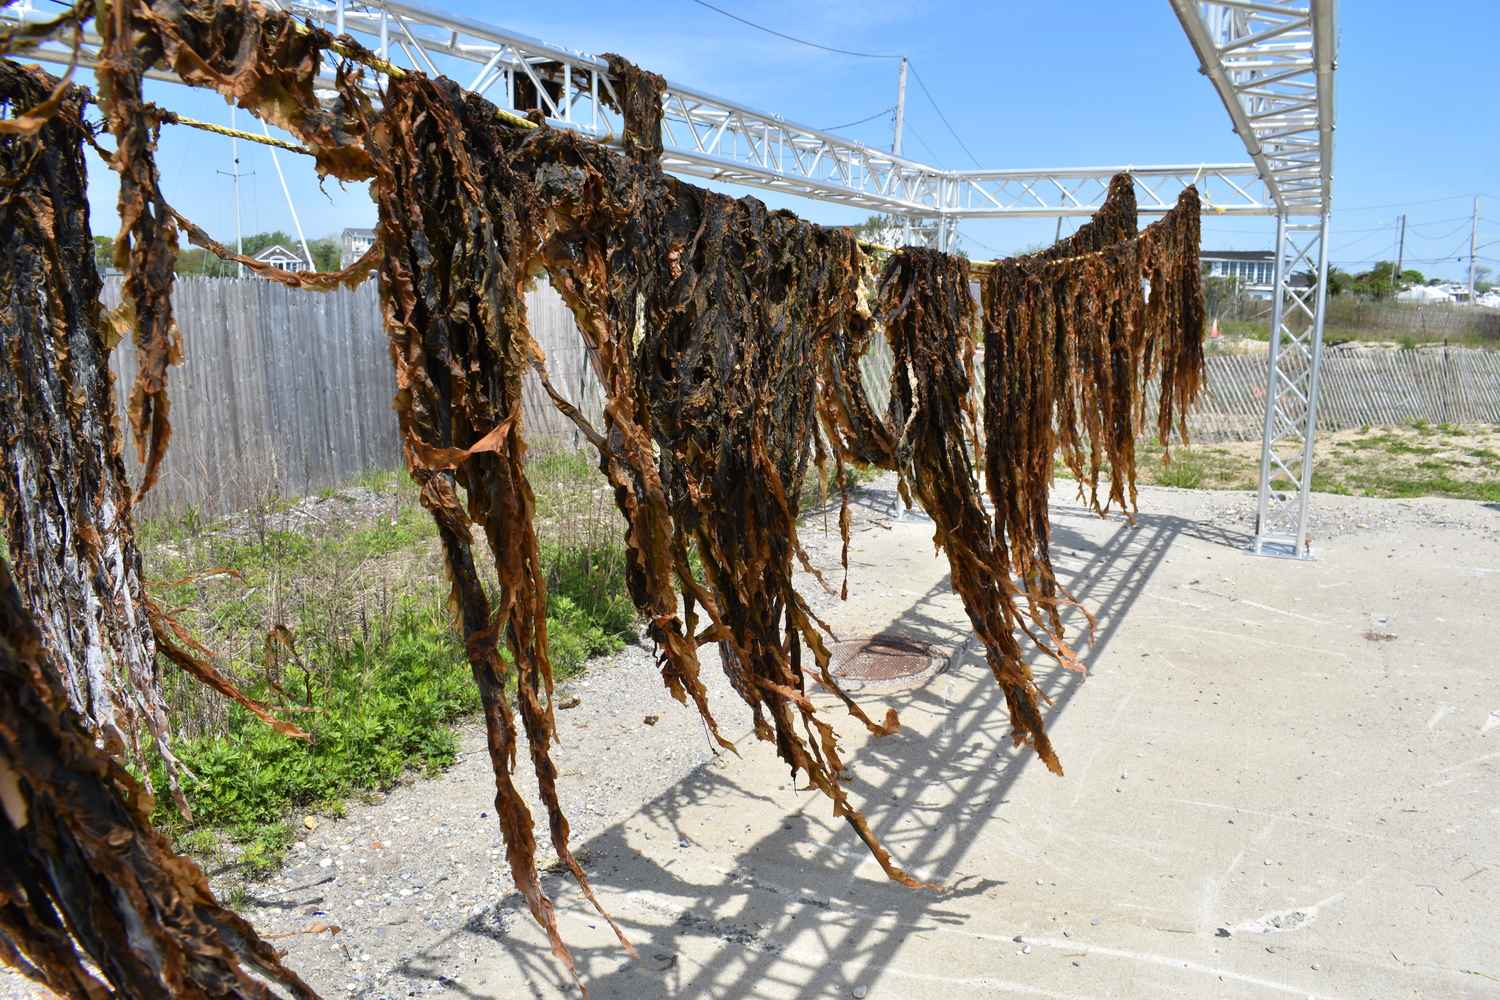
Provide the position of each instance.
(926, 797)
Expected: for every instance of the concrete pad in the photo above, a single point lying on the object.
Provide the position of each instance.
(1281, 780)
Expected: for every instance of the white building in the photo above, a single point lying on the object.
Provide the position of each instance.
(1254, 270)
(354, 244)
(1423, 295)
(279, 256)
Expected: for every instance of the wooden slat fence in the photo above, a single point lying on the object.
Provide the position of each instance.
(281, 392)
(1357, 388)
(284, 392)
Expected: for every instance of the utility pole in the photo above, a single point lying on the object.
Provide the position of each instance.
(1400, 257)
(900, 109)
(1473, 238)
(239, 229)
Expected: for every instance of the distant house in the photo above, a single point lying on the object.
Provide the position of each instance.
(1254, 269)
(354, 244)
(279, 256)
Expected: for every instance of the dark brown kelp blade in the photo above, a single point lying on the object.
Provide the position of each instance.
(86, 882)
(930, 320)
(62, 481)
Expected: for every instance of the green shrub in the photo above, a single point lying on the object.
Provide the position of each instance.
(375, 711)
(375, 679)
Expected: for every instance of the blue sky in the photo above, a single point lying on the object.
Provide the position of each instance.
(1066, 83)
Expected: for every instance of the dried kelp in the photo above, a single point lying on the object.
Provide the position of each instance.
(1070, 345)
(86, 883)
(65, 493)
(262, 59)
(930, 320)
(639, 100)
(146, 247)
(452, 273)
(1173, 347)
(1114, 222)
(728, 340)
(313, 281)
(710, 353)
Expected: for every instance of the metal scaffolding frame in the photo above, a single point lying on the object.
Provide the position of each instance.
(717, 139)
(1272, 62)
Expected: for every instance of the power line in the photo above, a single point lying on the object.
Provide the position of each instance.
(835, 128)
(1351, 243)
(935, 158)
(863, 55)
(799, 41)
(1444, 236)
(939, 112)
(1404, 204)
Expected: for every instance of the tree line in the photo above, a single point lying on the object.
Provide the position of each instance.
(194, 262)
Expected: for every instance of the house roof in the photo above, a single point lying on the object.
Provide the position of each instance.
(1269, 256)
(366, 233)
(277, 252)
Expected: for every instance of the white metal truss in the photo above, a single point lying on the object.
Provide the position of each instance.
(710, 137)
(1272, 63)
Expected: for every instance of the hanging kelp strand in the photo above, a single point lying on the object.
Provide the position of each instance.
(1070, 346)
(93, 903)
(930, 319)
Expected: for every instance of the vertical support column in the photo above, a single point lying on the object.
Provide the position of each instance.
(1292, 374)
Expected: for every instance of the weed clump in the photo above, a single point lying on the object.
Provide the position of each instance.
(313, 625)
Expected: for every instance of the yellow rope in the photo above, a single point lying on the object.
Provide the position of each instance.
(264, 140)
(514, 119)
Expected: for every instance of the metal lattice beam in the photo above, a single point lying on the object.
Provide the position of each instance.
(711, 137)
(1273, 64)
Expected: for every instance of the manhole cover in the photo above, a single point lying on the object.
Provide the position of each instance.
(878, 658)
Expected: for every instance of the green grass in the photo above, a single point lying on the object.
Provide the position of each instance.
(376, 674)
(1420, 459)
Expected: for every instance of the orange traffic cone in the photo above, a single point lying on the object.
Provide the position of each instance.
(1214, 330)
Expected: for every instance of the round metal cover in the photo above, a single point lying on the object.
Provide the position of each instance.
(879, 659)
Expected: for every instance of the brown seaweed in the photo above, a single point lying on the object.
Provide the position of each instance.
(930, 320)
(1070, 346)
(146, 247)
(62, 480)
(86, 883)
(728, 339)
(452, 273)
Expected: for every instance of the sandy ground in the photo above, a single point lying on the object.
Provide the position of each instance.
(1283, 779)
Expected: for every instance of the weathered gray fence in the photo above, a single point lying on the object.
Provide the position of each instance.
(1357, 388)
(281, 392)
(1432, 321)
(284, 392)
